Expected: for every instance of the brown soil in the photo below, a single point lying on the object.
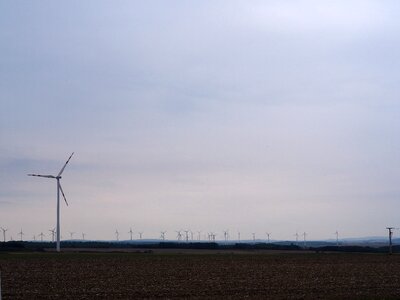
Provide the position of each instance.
(209, 276)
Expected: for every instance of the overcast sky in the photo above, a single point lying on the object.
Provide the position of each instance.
(257, 116)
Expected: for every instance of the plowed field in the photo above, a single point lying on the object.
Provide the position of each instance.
(194, 276)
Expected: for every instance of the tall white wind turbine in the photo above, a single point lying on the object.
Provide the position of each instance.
(59, 188)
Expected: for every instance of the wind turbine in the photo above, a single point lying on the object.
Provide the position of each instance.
(238, 236)
(390, 238)
(226, 235)
(212, 235)
(4, 233)
(59, 188)
(71, 234)
(117, 234)
(34, 237)
(178, 235)
(21, 234)
(297, 238)
(337, 238)
(163, 235)
(186, 235)
(140, 234)
(83, 236)
(268, 234)
(131, 232)
(304, 235)
(254, 237)
(41, 236)
(53, 233)
(199, 235)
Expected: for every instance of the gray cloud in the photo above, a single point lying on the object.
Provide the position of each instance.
(254, 115)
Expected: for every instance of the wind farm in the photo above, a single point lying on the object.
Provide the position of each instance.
(199, 149)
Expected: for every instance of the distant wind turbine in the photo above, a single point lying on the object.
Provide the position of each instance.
(53, 233)
(131, 232)
(140, 234)
(72, 234)
(199, 235)
(305, 235)
(186, 235)
(83, 236)
(21, 234)
(239, 236)
(178, 235)
(254, 236)
(4, 233)
(268, 234)
(213, 235)
(297, 238)
(117, 234)
(226, 235)
(390, 229)
(163, 235)
(59, 188)
(41, 236)
(337, 238)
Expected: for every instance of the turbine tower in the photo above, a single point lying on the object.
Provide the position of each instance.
(4, 233)
(71, 234)
(297, 238)
(390, 238)
(186, 235)
(41, 236)
(131, 232)
(337, 238)
(83, 236)
(117, 234)
(59, 188)
(21, 234)
(140, 235)
(226, 235)
(163, 235)
(238, 236)
(254, 237)
(198, 235)
(53, 233)
(304, 236)
(268, 234)
(178, 235)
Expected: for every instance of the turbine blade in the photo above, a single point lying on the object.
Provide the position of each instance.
(46, 176)
(62, 170)
(62, 192)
